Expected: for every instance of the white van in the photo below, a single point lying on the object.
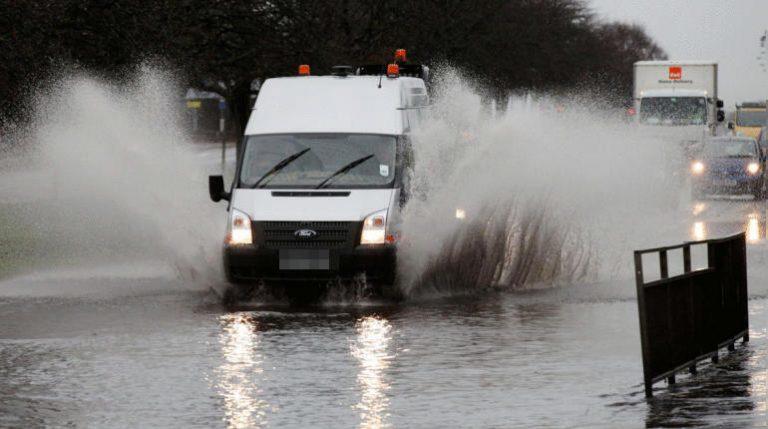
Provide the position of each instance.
(322, 177)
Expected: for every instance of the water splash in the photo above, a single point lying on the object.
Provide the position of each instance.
(554, 190)
(506, 247)
(112, 178)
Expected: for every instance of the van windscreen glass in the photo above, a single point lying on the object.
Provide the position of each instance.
(309, 160)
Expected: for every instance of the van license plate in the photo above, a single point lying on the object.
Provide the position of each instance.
(305, 259)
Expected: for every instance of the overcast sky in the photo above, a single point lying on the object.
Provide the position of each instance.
(726, 31)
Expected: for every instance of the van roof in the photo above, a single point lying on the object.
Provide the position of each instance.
(331, 104)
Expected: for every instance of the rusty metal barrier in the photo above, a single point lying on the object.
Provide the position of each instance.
(687, 318)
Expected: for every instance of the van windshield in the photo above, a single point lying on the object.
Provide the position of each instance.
(321, 156)
(673, 110)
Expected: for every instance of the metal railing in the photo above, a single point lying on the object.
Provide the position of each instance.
(688, 317)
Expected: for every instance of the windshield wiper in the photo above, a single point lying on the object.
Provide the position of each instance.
(344, 170)
(279, 166)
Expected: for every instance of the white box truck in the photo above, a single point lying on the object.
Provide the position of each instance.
(681, 94)
(322, 178)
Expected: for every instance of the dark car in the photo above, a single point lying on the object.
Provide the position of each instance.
(729, 165)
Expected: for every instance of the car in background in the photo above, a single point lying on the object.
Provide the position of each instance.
(728, 165)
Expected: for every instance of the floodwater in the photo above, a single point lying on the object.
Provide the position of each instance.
(106, 347)
(178, 359)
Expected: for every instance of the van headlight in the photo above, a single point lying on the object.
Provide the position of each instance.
(375, 228)
(239, 230)
(753, 168)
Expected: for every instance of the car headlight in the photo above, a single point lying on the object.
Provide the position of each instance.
(461, 214)
(239, 231)
(697, 167)
(375, 229)
(753, 168)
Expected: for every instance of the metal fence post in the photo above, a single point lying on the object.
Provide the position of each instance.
(641, 312)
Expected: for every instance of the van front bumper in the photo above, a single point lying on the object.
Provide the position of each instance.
(254, 263)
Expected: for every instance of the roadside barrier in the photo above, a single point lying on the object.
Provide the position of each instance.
(687, 318)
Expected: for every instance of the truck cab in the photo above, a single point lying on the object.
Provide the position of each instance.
(749, 119)
(322, 177)
(679, 95)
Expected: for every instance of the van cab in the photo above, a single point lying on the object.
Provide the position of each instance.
(322, 177)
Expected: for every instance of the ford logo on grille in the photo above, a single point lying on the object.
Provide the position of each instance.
(305, 234)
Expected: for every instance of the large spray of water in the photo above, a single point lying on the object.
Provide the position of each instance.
(113, 181)
(551, 195)
(554, 192)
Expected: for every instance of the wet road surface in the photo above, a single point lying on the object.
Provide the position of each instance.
(178, 359)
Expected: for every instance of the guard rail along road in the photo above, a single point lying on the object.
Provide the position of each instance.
(687, 318)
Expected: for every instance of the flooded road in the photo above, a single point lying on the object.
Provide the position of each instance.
(131, 345)
(178, 359)
(94, 335)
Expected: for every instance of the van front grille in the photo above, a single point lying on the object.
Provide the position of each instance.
(327, 235)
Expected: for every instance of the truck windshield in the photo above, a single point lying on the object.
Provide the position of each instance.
(326, 155)
(673, 111)
(751, 118)
(730, 148)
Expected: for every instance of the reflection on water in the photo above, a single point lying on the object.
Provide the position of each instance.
(753, 224)
(371, 348)
(236, 375)
(699, 231)
(754, 232)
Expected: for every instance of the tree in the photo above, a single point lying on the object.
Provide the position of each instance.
(618, 47)
(223, 45)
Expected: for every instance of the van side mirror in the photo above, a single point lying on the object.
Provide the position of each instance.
(720, 104)
(216, 189)
(720, 116)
